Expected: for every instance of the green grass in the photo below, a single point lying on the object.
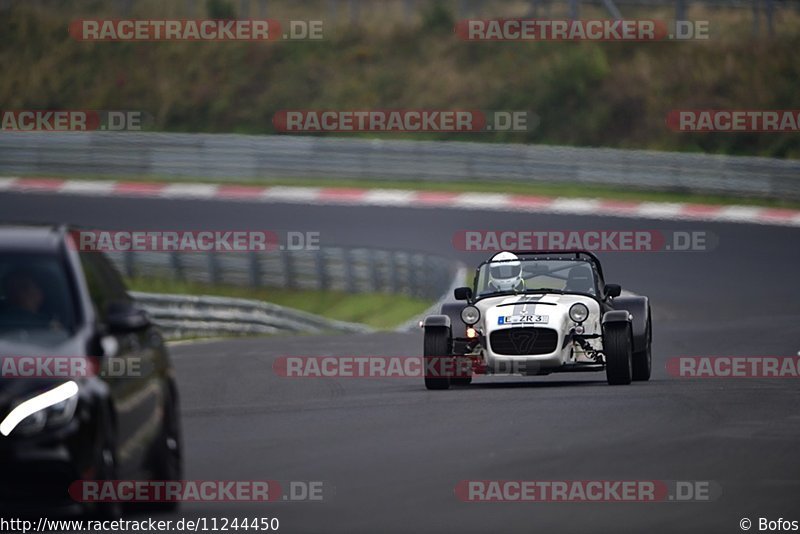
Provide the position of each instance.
(378, 310)
(515, 188)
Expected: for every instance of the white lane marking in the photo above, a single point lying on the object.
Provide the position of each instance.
(659, 210)
(88, 187)
(481, 200)
(189, 191)
(7, 182)
(574, 205)
(389, 197)
(291, 194)
(738, 213)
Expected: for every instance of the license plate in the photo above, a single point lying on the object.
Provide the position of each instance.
(522, 319)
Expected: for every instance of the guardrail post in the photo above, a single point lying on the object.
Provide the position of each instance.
(394, 274)
(255, 270)
(128, 262)
(289, 278)
(428, 276)
(214, 273)
(177, 265)
(322, 270)
(374, 273)
(349, 271)
(412, 276)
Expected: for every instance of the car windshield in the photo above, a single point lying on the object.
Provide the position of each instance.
(536, 275)
(35, 297)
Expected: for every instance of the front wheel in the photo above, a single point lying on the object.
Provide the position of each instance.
(436, 350)
(167, 458)
(619, 353)
(106, 470)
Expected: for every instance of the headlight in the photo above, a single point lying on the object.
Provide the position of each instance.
(578, 312)
(51, 408)
(470, 315)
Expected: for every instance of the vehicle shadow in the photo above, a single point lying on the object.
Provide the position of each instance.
(518, 383)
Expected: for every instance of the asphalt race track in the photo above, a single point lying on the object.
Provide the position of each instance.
(390, 453)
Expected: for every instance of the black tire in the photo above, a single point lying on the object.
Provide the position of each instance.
(463, 373)
(643, 360)
(106, 469)
(167, 452)
(618, 351)
(461, 381)
(436, 350)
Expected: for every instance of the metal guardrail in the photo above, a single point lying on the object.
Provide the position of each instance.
(459, 280)
(348, 270)
(242, 158)
(330, 268)
(182, 316)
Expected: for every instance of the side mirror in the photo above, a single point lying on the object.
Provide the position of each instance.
(122, 317)
(613, 290)
(463, 293)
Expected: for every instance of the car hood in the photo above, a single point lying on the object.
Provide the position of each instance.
(553, 306)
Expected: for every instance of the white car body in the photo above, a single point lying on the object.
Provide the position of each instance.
(518, 314)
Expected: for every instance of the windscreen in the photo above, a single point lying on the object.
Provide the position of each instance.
(35, 297)
(535, 275)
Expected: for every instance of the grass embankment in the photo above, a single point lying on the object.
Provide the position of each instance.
(377, 310)
(613, 94)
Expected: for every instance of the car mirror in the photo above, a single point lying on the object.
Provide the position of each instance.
(613, 290)
(463, 293)
(125, 317)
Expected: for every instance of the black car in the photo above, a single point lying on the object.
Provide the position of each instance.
(118, 420)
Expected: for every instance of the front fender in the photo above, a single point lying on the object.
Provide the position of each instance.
(616, 317)
(639, 307)
(432, 321)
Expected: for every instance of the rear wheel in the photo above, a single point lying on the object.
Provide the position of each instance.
(619, 354)
(643, 360)
(436, 348)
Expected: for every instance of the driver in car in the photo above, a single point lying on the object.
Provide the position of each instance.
(24, 301)
(506, 273)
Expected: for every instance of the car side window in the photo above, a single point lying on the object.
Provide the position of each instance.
(113, 280)
(105, 285)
